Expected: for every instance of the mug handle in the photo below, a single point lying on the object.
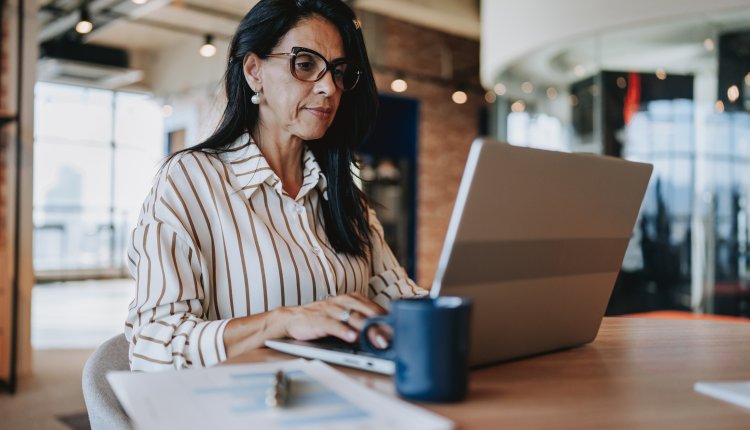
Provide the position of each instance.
(364, 340)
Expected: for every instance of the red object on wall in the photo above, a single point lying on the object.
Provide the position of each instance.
(632, 102)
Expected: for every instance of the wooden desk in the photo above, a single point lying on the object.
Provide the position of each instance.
(638, 374)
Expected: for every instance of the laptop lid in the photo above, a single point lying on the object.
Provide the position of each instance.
(537, 239)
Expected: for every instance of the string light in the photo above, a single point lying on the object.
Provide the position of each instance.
(719, 106)
(527, 87)
(499, 89)
(709, 44)
(518, 106)
(661, 74)
(733, 93)
(551, 93)
(459, 97)
(399, 85)
(490, 97)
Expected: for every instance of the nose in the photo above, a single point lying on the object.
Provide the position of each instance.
(326, 85)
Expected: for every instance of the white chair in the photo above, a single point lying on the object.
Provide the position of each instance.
(103, 408)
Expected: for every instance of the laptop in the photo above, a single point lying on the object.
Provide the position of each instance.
(536, 239)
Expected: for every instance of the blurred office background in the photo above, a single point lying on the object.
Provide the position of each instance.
(95, 93)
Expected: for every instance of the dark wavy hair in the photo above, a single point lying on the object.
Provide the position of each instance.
(345, 211)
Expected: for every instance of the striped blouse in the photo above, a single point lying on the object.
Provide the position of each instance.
(218, 238)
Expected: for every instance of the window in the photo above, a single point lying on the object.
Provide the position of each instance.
(95, 154)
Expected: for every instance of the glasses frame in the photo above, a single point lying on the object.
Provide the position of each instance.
(330, 66)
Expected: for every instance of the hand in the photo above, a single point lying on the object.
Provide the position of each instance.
(325, 318)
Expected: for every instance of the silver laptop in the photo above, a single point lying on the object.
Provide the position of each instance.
(536, 239)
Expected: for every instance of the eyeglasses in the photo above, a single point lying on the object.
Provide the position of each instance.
(309, 66)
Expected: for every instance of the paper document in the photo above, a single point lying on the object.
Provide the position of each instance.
(737, 392)
(234, 397)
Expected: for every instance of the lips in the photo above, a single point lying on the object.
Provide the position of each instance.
(320, 111)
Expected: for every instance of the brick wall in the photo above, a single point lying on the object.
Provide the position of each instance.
(446, 129)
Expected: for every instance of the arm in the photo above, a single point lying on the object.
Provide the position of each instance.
(388, 280)
(166, 323)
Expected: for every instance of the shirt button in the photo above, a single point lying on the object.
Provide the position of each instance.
(316, 250)
(299, 209)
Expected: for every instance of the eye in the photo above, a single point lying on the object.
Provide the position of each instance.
(339, 70)
(304, 63)
(304, 66)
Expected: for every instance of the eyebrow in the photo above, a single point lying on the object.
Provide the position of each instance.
(321, 54)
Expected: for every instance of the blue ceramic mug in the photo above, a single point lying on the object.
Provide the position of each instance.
(429, 345)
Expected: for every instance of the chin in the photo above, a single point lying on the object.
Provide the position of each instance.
(313, 133)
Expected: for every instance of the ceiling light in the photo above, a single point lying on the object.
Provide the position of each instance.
(167, 110)
(208, 49)
(709, 44)
(527, 87)
(733, 93)
(499, 89)
(84, 25)
(552, 93)
(518, 106)
(399, 85)
(490, 97)
(140, 1)
(661, 74)
(459, 97)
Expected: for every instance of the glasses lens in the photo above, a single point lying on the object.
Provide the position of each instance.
(346, 75)
(308, 66)
(311, 67)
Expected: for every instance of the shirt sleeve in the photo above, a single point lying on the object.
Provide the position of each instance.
(166, 324)
(388, 280)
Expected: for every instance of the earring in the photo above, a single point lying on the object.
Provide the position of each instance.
(255, 99)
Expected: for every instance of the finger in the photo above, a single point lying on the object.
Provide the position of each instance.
(340, 330)
(357, 320)
(360, 304)
(377, 338)
(336, 311)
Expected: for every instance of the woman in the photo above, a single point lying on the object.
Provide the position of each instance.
(260, 232)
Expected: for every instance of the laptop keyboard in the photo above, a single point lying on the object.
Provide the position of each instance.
(336, 344)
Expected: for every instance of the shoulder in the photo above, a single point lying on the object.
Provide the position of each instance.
(190, 166)
(186, 173)
(187, 162)
(372, 220)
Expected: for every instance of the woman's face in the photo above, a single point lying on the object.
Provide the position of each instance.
(299, 108)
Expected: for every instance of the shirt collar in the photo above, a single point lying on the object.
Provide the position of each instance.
(251, 169)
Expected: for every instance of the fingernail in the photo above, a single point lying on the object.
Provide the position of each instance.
(380, 340)
(351, 336)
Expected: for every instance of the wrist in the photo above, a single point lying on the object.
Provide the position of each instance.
(278, 322)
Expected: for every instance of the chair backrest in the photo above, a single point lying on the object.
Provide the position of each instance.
(103, 408)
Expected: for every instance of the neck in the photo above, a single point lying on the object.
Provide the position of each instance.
(283, 152)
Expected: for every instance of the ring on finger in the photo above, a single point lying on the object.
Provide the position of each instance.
(345, 315)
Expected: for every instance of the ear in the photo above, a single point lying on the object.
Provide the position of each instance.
(251, 68)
